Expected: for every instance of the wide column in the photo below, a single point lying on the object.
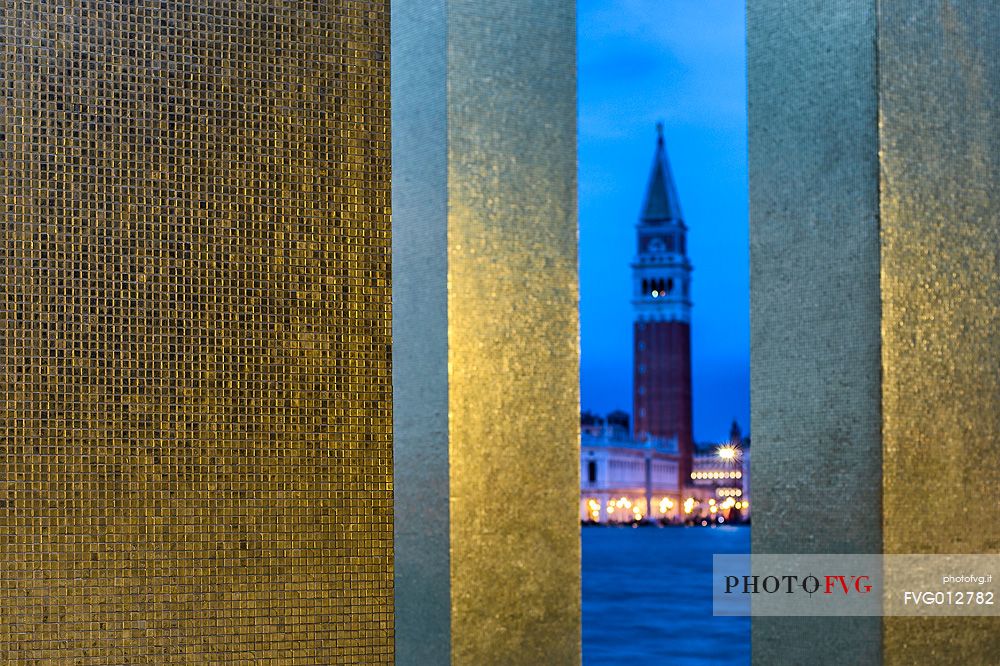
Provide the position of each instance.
(195, 383)
(875, 388)
(486, 329)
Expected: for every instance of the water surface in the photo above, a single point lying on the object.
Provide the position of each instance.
(647, 597)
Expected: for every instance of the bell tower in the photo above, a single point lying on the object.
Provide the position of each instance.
(661, 299)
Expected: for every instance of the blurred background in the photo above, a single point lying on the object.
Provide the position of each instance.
(651, 522)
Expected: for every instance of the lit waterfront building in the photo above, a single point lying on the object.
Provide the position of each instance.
(724, 480)
(621, 477)
(721, 472)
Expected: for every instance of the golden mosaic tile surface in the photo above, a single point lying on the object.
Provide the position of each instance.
(513, 333)
(939, 71)
(194, 340)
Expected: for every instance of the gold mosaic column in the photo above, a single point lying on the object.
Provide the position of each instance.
(486, 358)
(194, 339)
(874, 302)
(939, 104)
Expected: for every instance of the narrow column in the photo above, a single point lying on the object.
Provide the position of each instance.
(485, 318)
(420, 332)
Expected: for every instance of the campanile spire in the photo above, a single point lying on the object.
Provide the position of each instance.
(661, 203)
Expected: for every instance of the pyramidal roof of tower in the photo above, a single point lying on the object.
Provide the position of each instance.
(661, 203)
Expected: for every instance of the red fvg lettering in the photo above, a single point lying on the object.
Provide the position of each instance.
(859, 583)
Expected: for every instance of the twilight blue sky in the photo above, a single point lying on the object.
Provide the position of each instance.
(683, 62)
